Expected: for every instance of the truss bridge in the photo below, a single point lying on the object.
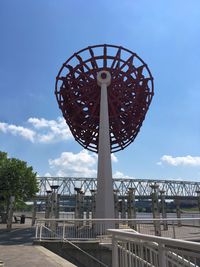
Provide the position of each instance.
(67, 185)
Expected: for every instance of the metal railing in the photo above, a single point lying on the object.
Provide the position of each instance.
(55, 235)
(91, 229)
(135, 249)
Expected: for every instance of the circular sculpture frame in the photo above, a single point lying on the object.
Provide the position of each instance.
(129, 94)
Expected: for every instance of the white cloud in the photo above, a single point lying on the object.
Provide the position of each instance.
(41, 123)
(114, 158)
(18, 131)
(180, 161)
(47, 174)
(40, 130)
(82, 164)
(3, 127)
(50, 130)
(119, 174)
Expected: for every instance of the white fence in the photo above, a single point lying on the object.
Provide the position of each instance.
(130, 248)
(134, 249)
(90, 229)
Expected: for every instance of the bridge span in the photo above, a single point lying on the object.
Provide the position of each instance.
(172, 188)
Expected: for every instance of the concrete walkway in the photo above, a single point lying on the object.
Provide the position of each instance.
(16, 250)
(30, 256)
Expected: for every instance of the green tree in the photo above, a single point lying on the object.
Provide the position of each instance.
(16, 179)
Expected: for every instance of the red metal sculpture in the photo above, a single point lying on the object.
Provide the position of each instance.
(129, 94)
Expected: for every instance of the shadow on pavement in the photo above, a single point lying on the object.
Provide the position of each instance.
(17, 236)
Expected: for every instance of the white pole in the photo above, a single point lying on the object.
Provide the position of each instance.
(104, 196)
(115, 257)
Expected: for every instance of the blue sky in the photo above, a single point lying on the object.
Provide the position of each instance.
(37, 36)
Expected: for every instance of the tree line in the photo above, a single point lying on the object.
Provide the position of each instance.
(17, 180)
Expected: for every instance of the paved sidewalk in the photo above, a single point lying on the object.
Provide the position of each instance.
(19, 234)
(16, 249)
(30, 256)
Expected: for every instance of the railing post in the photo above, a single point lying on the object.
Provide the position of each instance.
(102, 227)
(161, 255)
(36, 231)
(138, 227)
(173, 229)
(40, 238)
(141, 253)
(63, 233)
(115, 260)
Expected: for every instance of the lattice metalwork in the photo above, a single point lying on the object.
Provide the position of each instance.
(129, 94)
(172, 188)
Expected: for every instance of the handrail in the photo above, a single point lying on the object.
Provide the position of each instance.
(92, 228)
(128, 235)
(178, 252)
(72, 244)
(159, 247)
(123, 219)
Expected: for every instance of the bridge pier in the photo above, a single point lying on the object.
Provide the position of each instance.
(198, 199)
(131, 208)
(116, 204)
(93, 203)
(163, 209)
(53, 212)
(178, 211)
(79, 204)
(87, 207)
(155, 208)
(48, 204)
(123, 208)
(34, 211)
(58, 206)
(54, 201)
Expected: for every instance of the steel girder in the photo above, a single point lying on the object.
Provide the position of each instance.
(143, 190)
